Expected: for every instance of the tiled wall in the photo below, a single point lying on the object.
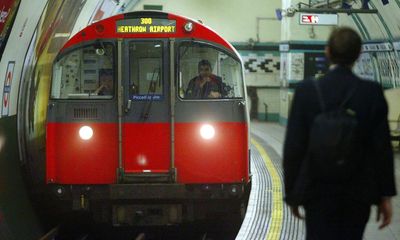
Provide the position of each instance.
(274, 72)
(262, 69)
(262, 62)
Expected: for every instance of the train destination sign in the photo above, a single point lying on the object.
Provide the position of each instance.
(146, 25)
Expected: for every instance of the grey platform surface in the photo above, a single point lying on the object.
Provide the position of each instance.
(259, 221)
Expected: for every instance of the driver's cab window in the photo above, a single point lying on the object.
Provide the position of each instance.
(208, 73)
(86, 72)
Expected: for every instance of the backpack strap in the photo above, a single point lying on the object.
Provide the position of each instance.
(349, 95)
(321, 100)
(319, 93)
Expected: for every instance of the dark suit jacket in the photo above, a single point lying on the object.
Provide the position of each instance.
(375, 176)
(194, 91)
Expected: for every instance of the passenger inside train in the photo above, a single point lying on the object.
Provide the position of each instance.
(198, 61)
(105, 82)
(206, 84)
(86, 72)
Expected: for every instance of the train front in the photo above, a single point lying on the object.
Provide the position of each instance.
(147, 122)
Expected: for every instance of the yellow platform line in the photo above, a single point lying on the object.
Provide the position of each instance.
(275, 226)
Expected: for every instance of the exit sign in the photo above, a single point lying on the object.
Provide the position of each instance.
(318, 19)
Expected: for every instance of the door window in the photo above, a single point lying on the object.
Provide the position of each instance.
(145, 71)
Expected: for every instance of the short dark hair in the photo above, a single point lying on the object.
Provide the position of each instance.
(344, 46)
(204, 62)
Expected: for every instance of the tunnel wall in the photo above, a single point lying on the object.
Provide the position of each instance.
(17, 218)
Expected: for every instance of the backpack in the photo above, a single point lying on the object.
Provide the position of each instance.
(333, 145)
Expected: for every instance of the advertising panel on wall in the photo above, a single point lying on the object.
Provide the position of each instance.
(379, 62)
(396, 61)
(15, 51)
(7, 9)
(7, 12)
(296, 63)
(364, 67)
(301, 61)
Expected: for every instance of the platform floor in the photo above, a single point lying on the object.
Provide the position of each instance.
(267, 216)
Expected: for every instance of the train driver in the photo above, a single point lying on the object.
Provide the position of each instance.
(206, 84)
(105, 83)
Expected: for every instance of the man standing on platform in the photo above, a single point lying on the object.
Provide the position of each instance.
(336, 175)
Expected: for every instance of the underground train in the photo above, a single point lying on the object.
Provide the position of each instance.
(126, 138)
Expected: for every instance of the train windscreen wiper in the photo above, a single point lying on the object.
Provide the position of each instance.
(155, 78)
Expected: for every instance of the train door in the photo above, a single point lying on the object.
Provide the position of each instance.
(146, 121)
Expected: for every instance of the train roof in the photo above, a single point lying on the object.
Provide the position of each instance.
(129, 25)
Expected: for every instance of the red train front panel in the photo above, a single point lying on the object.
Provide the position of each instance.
(211, 152)
(73, 160)
(146, 148)
(85, 94)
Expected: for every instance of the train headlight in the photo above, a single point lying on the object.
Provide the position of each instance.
(86, 132)
(59, 191)
(207, 131)
(234, 190)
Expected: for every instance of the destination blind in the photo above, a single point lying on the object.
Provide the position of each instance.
(146, 25)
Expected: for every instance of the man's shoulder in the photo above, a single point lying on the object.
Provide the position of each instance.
(368, 87)
(351, 76)
(369, 84)
(192, 81)
(305, 84)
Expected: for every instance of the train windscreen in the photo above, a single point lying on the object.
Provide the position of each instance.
(201, 65)
(86, 72)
